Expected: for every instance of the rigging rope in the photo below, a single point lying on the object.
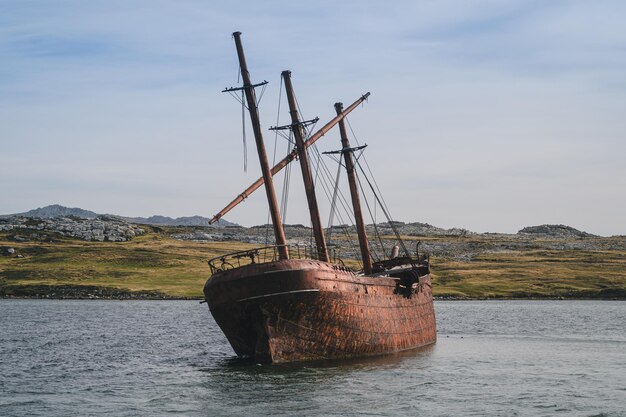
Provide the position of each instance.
(326, 178)
(280, 89)
(258, 101)
(243, 128)
(287, 175)
(373, 251)
(386, 213)
(378, 196)
(286, 183)
(384, 204)
(333, 203)
(376, 231)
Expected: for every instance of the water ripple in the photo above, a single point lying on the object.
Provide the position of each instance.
(76, 358)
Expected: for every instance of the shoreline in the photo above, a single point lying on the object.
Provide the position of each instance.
(157, 266)
(174, 298)
(82, 292)
(78, 292)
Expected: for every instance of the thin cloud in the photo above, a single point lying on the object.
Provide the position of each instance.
(476, 107)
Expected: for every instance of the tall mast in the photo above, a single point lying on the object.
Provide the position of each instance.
(279, 233)
(286, 160)
(354, 193)
(309, 186)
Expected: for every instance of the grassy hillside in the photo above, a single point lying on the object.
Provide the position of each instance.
(152, 262)
(157, 263)
(535, 273)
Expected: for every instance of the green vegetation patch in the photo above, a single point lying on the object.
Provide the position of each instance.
(537, 274)
(149, 263)
(164, 267)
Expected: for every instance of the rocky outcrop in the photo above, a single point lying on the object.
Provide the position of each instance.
(459, 244)
(56, 210)
(101, 228)
(422, 229)
(256, 235)
(299, 234)
(554, 230)
(179, 221)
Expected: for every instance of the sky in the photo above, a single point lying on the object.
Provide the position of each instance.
(485, 115)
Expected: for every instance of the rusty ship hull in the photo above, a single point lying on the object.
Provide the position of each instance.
(298, 309)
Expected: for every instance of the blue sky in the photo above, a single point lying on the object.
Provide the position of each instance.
(486, 115)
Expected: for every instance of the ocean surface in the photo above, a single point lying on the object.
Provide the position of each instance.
(161, 358)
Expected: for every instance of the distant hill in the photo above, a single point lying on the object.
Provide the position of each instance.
(411, 229)
(554, 230)
(56, 210)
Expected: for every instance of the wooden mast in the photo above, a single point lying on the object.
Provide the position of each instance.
(354, 193)
(307, 178)
(286, 160)
(279, 233)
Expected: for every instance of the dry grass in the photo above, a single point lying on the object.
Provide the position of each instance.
(152, 262)
(533, 273)
(155, 262)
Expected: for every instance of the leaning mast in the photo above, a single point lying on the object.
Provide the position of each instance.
(348, 152)
(248, 88)
(307, 177)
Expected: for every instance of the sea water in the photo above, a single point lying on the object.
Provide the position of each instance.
(160, 358)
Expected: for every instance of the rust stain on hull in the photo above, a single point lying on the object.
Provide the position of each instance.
(296, 310)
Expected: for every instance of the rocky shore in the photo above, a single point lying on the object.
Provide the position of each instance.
(81, 292)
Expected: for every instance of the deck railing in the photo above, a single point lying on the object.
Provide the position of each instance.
(267, 254)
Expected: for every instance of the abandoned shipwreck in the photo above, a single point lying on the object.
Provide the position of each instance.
(282, 303)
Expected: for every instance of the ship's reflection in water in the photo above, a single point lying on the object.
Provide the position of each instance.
(317, 387)
(360, 363)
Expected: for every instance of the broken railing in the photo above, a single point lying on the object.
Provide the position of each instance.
(267, 254)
